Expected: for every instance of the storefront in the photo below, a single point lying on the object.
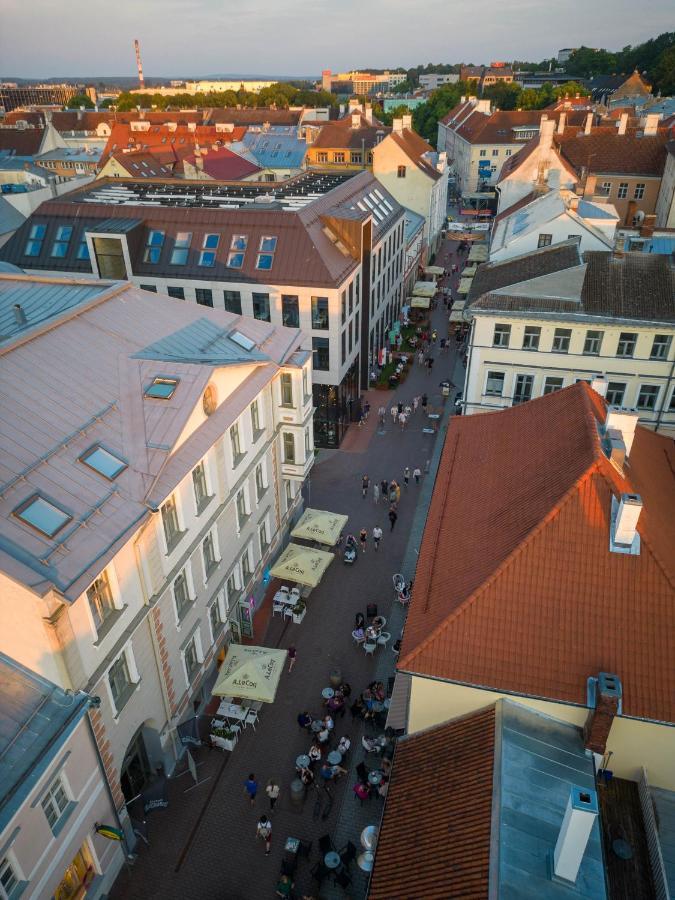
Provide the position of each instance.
(335, 406)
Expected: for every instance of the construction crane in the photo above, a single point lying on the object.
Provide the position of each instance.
(139, 64)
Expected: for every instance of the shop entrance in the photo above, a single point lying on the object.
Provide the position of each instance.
(136, 770)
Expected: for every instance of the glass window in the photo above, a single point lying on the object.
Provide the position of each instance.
(338, 157)
(305, 384)
(616, 391)
(647, 396)
(162, 388)
(355, 159)
(321, 354)
(209, 554)
(307, 443)
(626, 345)
(179, 254)
(100, 600)
(259, 481)
(255, 418)
(266, 250)
(639, 192)
(286, 389)
(9, 881)
(531, 337)
(544, 240)
(151, 288)
(523, 391)
(261, 307)
(290, 311)
(42, 515)
(170, 522)
(349, 335)
(62, 241)
(661, 346)
(103, 462)
(232, 589)
(343, 347)
(482, 152)
(622, 192)
(561, 340)
(289, 447)
(215, 617)
(401, 171)
(199, 486)
(246, 566)
(55, 802)
(239, 242)
(235, 260)
(35, 238)
(233, 302)
(242, 514)
(191, 657)
(502, 336)
(121, 685)
(343, 307)
(153, 247)
(552, 384)
(322, 157)
(82, 248)
(262, 534)
(351, 297)
(494, 386)
(178, 293)
(592, 343)
(181, 594)
(320, 313)
(235, 443)
(495, 152)
(671, 406)
(204, 296)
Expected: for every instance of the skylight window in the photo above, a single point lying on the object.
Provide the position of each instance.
(361, 206)
(179, 254)
(162, 388)
(378, 194)
(103, 462)
(83, 249)
(243, 341)
(62, 241)
(42, 515)
(235, 260)
(35, 239)
(211, 241)
(266, 252)
(239, 242)
(153, 247)
(368, 203)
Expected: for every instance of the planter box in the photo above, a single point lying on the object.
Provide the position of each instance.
(223, 743)
(298, 617)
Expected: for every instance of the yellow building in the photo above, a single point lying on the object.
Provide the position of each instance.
(348, 142)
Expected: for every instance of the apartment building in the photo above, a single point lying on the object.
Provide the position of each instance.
(53, 793)
(665, 203)
(416, 175)
(152, 462)
(602, 315)
(347, 143)
(361, 82)
(323, 252)
(431, 81)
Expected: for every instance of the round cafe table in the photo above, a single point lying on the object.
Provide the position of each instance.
(331, 859)
(365, 861)
(334, 757)
(303, 761)
(375, 777)
(317, 725)
(369, 837)
(327, 693)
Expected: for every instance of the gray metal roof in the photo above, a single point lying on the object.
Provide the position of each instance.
(116, 226)
(10, 217)
(201, 342)
(36, 717)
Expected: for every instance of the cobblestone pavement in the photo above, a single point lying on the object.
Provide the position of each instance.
(204, 845)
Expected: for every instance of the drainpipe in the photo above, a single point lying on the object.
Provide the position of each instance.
(665, 394)
(468, 366)
(99, 758)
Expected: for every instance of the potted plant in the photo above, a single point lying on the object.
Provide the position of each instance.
(223, 737)
(299, 611)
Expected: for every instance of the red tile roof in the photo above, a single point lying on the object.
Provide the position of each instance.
(415, 147)
(434, 841)
(516, 588)
(20, 141)
(144, 164)
(603, 151)
(341, 135)
(224, 165)
(161, 136)
(497, 128)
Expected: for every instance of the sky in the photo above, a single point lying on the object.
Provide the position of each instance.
(42, 38)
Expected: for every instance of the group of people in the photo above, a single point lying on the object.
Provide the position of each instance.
(364, 631)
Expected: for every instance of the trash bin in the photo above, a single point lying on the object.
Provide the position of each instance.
(335, 677)
(297, 792)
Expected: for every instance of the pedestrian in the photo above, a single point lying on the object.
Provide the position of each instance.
(425, 400)
(382, 413)
(264, 831)
(408, 411)
(430, 365)
(365, 481)
(420, 358)
(427, 466)
(384, 489)
(377, 536)
(251, 787)
(416, 403)
(393, 516)
(434, 336)
(292, 656)
(402, 419)
(272, 791)
(417, 474)
(406, 476)
(366, 410)
(376, 493)
(400, 407)
(392, 493)
(363, 538)
(394, 413)
(454, 268)
(397, 489)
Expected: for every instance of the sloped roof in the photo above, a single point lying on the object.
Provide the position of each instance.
(490, 276)
(10, 217)
(224, 165)
(634, 85)
(21, 141)
(513, 163)
(516, 588)
(340, 135)
(606, 152)
(498, 128)
(274, 150)
(142, 162)
(434, 840)
(159, 136)
(416, 148)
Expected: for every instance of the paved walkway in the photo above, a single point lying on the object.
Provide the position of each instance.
(204, 845)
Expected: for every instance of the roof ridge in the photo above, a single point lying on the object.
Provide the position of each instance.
(439, 726)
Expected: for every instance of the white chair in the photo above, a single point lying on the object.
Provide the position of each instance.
(384, 638)
(295, 593)
(369, 648)
(288, 611)
(278, 608)
(358, 640)
(236, 729)
(251, 718)
(284, 588)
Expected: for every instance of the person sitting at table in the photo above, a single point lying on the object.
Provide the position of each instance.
(383, 787)
(372, 633)
(315, 751)
(386, 765)
(284, 886)
(336, 704)
(345, 689)
(323, 735)
(371, 745)
(378, 622)
(304, 720)
(379, 692)
(360, 620)
(344, 744)
(328, 722)
(359, 634)
(361, 790)
(306, 776)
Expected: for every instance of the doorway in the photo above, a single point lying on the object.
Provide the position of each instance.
(136, 771)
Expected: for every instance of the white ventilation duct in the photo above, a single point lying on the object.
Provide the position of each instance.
(580, 815)
(627, 518)
(623, 420)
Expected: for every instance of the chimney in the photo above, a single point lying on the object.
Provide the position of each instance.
(369, 113)
(573, 202)
(615, 449)
(648, 225)
(407, 121)
(577, 824)
(79, 113)
(589, 186)
(19, 314)
(625, 525)
(623, 122)
(624, 421)
(588, 124)
(561, 122)
(599, 385)
(651, 124)
(356, 120)
(546, 130)
(604, 695)
(397, 126)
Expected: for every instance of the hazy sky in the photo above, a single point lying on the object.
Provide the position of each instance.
(43, 38)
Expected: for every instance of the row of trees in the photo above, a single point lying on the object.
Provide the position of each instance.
(656, 57)
(282, 95)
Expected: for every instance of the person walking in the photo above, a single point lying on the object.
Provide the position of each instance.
(365, 481)
(420, 358)
(292, 656)
(430, 365)
(417, 474)
(363, 538)
(416, 403)
(377, 536)
(393, 516)
(251, 788)
(272, 791)
(264, 831)
(384, 489)
(394, 413)
(402, 419)
(392, 492)
(399, 407)
(434, 336)
(406, 476)
(425, 401)
(376, 493)
(382, 413)
(407, 410)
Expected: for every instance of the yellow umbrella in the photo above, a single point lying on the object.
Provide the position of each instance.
(433, 270)
(319, 525)
(420, 302)
(478, 253)
(464, 285)
(424, 289)
(251, 673)
(469, 271)
(303, 565)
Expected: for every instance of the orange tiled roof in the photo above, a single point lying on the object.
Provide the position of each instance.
(414, 148)
(516, 588)
(161, 136)
(605, 151)
(443, 854)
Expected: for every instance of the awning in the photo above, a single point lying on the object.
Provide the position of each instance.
(464, 285)
(420, 302)
(457, 311)
(251, 673)
(302, 565)
(319, 525)
(478, 253)
(424, 289)
(469, 272)
(433, 270)
(476, 195)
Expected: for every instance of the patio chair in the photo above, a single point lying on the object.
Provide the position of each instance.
(369, 648)
(383, 638)
(325, 844)
(288, 612)
(251, 718)
(295, 593)
(358, 640)
(278, 608)
(284, 589)
(399, 583)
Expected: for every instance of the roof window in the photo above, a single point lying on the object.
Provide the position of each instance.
(42, 515)
(62, 241)
(35, 239)
(207, 257)
(266, 252)
(162, 388)
(244, 342)
(153, 247)
(179, 254)
(103, 462)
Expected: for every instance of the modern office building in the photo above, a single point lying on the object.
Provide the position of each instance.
(13, 95)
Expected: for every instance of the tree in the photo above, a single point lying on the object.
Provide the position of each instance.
(570, 89)
(504, 95)
(80, 100)
(664, 73)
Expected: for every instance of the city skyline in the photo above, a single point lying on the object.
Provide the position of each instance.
(290, 41)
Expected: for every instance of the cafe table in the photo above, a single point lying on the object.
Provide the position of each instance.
(375, 777)
(331, 859)
(369, 837)
(303, 761)
(334, 758)
(327, 693)
(316, 726)
(365, 861)
(232, 711)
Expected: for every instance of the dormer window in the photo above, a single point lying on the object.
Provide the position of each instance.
(162, 388)
(35, 239)
(179, 254)
(266, 250)
(207, 257)
(62, 241)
